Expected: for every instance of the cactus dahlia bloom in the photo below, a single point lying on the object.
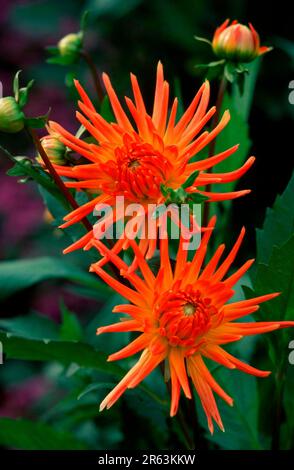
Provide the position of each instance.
(134, 161)
(182, 317)
(237, 42)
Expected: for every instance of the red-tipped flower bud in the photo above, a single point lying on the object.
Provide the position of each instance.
(54, 148)
(12, 119)
(237, 42)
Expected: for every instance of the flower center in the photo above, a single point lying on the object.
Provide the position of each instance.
(138, 172)
(133, 163)
(189, 309)
(183, 317)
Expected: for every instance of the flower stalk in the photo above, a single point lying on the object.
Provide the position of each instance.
(92, 67)
(64, 190)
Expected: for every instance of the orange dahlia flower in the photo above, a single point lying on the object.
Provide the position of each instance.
(237, 42)
(135, 161)
(182, 317)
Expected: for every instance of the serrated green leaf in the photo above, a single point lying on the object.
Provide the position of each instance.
(278, 225)
(65, 352)
(21, 274)
(277, 276)
(28, 435)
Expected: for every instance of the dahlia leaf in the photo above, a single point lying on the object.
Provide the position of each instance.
(64, 352)
(28, 435)
(278, 225)
(25, 167)
(277, 276)
(17, 275)
(32, 326)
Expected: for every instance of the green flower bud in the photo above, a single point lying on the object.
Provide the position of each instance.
(70, 47)
(54, 148)
(12, 119)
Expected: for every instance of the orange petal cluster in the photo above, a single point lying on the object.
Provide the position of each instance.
(182, 316)
(135, 155)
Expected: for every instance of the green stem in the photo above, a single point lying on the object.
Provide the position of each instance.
(59, 183)
(92, 67)
(211, 149)
(180, 416)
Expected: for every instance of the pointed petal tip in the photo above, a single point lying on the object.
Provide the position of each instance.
(266, 373)
(227, 114)
(101, 407)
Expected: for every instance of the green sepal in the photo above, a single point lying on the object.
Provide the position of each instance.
(38, 122)
(16, 85)
(198, 38)
(84, 20)
(190, 180)
(24, 94)
(213, 64)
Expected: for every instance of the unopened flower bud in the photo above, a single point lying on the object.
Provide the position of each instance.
(54, 148)
(70, 47)
(237, 42)
(12, 119)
